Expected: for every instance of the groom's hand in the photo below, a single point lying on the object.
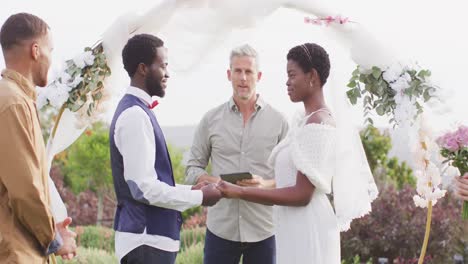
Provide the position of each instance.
(200, 185)
(211, 195)
(68, 249)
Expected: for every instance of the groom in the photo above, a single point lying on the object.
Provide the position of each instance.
(148, 219)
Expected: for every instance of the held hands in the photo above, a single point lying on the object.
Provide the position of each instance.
(200, 185)
(211, 195)
(230, 190)
(68, 249)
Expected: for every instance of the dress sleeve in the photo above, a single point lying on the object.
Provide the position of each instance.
(312, 152)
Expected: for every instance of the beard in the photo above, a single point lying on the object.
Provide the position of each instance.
(153, 84)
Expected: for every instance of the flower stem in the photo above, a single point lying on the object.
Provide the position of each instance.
(59, 116)
(426, 236)
(465, 210)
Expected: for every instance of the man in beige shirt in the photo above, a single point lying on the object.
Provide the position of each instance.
(28, 233)
(238, 136)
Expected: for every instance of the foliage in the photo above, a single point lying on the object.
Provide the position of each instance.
(191, 255)
(393, 229)
(386, 170)
(90, 256)
(191, 237)
(378, 88)
(97, 237)
(81, 83)
(88, 162)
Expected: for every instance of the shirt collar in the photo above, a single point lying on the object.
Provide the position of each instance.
(142, 95)
(26, 86)
(260, 103)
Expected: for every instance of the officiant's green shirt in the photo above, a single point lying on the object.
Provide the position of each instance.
(234, 147)
(26, 222)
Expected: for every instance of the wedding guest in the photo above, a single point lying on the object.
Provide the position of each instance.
(28, 233)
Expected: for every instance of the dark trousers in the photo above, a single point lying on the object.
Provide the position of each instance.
(218, 250)
(148, 255)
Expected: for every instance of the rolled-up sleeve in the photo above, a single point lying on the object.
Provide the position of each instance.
(199, 155)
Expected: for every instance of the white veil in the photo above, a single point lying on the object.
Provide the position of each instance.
(353, 184)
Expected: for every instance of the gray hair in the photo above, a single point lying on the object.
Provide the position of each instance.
(244, 50)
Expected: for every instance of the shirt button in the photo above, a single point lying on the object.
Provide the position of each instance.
(240, 216)
(242, 152)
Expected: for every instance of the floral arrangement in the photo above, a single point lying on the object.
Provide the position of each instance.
(454, 147)
(397, 91)
(327, 20)
(79, 87)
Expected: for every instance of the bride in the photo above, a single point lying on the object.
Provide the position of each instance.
(319, 155)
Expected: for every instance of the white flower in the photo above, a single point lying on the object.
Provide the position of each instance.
(437, 194)
(42, 98)
(58, 94)
(64, 77)
(400, 85)
(84, 59)
(393, 72)
(75, 82)
(419, 201)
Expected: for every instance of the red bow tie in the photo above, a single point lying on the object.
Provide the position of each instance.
(154, 104)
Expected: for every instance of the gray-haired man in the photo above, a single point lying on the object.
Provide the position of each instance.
(238, 136)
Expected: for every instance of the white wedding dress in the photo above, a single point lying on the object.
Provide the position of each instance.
(308, 234)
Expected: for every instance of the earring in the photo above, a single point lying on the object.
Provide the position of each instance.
(310, 84)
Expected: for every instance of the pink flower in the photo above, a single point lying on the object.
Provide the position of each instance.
(452, 144)
(448, 141)
(462, 136)
(341, 19)
(307, 20)
(328, 20)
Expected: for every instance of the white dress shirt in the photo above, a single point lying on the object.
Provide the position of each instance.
(134, 138)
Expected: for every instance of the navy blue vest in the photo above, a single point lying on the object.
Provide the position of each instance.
(131, 215)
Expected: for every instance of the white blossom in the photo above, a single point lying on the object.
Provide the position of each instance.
(84, 59)
(419, 201)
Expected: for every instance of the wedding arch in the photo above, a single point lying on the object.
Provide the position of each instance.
(398, 90)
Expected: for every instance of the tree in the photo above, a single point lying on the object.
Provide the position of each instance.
(88, 165)
(386, 170)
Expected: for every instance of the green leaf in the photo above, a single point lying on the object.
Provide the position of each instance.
(380, 110)
(351, 84)
(352, 98)
(376, 72)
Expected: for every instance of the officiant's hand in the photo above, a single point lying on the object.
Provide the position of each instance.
(211, 195)
(258, 182)
(230, 190)
(68, 249)
(462, 187)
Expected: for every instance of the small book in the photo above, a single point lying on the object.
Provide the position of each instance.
(235, 177)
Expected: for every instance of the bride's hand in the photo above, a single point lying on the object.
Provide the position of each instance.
(229, 190)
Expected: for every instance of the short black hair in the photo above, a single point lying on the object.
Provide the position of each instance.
(20, 27)
(140, 48)
(311, 56)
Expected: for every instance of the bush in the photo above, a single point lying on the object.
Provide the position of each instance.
(395, 229)
(191, 255)
(90, 256)
(191, 237)
(387, 171)
(96, 237)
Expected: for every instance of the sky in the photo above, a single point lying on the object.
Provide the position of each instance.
(431, 32)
